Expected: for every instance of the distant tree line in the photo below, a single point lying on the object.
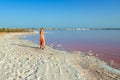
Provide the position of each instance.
(15, 30)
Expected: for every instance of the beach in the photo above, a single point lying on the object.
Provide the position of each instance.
(23, 60)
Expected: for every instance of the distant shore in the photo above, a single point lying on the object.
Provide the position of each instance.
(50, 28)
(22, 59)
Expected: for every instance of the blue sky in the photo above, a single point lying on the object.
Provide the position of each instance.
(60, 13)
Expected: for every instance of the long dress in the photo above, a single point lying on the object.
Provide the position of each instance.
(42, 39)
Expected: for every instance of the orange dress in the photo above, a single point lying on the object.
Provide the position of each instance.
(42, 39)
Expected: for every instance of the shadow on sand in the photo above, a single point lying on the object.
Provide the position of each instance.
(26, 46)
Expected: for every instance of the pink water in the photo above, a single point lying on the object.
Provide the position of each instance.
(104, 44)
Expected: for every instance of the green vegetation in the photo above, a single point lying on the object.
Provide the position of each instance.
(14, 30)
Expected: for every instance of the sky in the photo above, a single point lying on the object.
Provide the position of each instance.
(60, 13)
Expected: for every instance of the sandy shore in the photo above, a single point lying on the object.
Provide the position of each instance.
(23, 60)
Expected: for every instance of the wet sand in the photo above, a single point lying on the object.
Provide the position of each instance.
(23, 60)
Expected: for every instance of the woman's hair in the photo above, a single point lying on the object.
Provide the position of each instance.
(41, 29)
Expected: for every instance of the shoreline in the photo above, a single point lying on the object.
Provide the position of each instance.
(22, 59)
(112, 60)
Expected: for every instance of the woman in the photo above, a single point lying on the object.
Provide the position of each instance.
(42, 38)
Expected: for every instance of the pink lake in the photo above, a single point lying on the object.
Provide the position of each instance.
(104, 44)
